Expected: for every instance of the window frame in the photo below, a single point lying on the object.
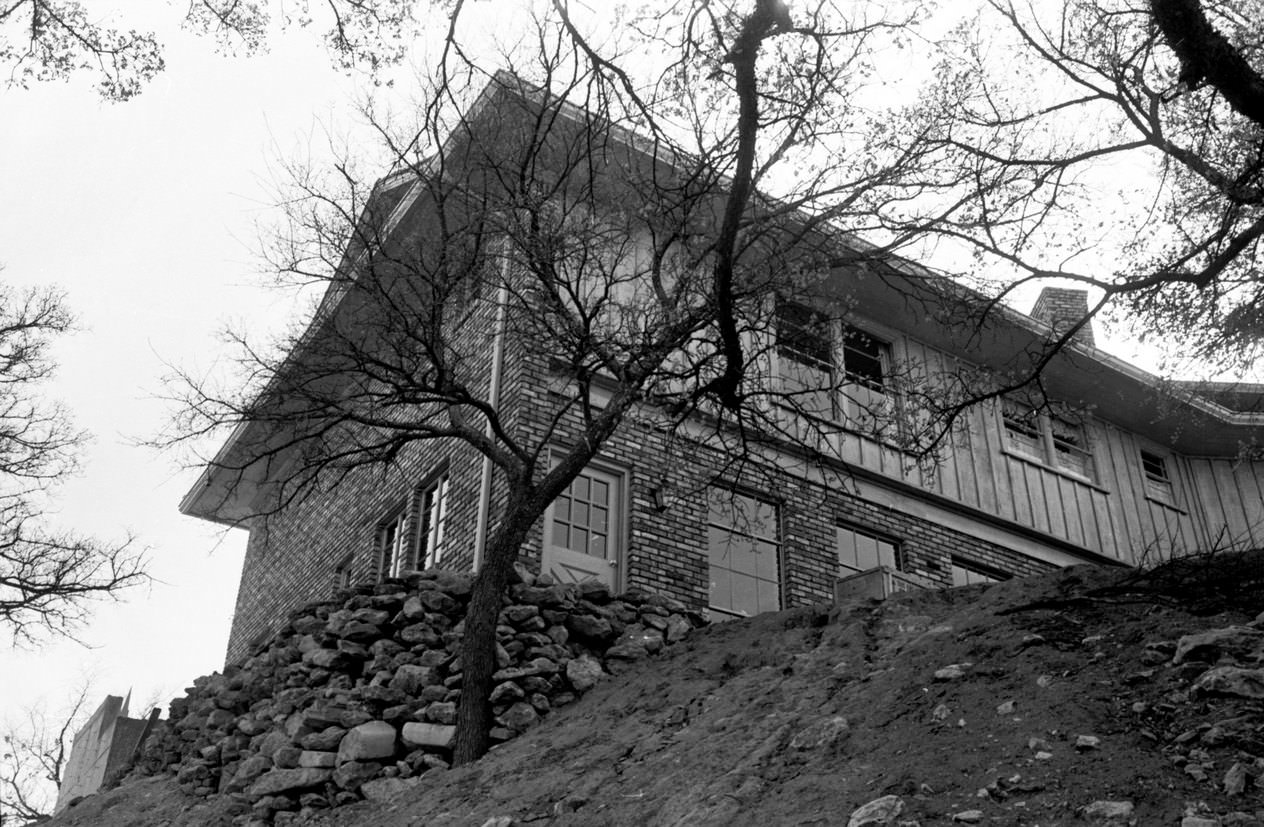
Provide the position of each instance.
(850, 393)
(390, 540)
(1162, 490)
(1032, 434)
(720, 493)
(880, 539)
(988, 573)
(431, 520)
(415, 529)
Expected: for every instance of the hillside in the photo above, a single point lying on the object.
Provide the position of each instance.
(1084, 696)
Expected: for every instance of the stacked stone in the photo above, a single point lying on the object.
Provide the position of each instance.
(356, 697)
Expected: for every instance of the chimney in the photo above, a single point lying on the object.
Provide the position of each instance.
(1061, 307)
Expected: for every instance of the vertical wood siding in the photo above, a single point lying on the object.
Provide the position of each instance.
(1216, 501)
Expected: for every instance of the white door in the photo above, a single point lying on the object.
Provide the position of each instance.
(582, 532)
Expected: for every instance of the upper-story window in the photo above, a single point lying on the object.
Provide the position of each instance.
(1056, 439)
(806, 359)
(866, 359)
(1158, 479)
(831, 369)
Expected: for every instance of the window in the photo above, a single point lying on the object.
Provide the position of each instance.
(860, 550)
(342, 573)
(965, 573)
(814, 351)
(392, 543)
(865, 359)
(1155, 468)
(413, 536)
(1057, 439)
(1158, 482)
(1022, 428)
(743, 546)
(432, 508)
(806, 359)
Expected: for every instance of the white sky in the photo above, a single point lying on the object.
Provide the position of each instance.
(145, 212)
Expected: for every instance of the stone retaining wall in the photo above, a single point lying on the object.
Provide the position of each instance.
(356, 697)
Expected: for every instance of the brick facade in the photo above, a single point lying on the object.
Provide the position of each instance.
(294, 556)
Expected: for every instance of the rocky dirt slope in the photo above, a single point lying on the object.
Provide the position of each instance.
(1085, 696)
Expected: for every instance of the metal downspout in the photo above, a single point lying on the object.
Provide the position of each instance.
(493, 398)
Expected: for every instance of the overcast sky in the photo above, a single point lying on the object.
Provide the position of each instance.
(145, 213)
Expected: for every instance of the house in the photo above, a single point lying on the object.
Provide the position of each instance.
(1119, 468)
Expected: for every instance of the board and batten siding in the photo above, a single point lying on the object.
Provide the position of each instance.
(1216, 502)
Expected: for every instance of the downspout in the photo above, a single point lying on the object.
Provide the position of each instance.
(493, 398)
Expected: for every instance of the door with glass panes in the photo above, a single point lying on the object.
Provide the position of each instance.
(582, 531)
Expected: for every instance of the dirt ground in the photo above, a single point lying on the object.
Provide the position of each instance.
(1064, 693)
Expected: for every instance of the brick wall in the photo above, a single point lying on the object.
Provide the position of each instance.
(294, 556)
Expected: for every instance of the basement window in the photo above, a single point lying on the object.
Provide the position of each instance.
(861, 550)
(967, 573)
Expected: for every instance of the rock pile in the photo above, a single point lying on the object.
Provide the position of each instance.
(1211, 721)
(356, 697)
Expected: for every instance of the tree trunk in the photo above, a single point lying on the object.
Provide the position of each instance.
(478, 646)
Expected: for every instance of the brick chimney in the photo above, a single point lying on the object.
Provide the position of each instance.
(1061, 307)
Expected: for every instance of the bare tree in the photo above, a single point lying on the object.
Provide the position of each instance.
(47, 576)
(33, 757)
(613, 233)
(1115, 145)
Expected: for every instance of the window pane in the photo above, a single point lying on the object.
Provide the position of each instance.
(598, 518)
(766, 561)
(559, 534)
(887, 554)
(846, 541)
(597, 545)
(562, 509)
(579, 488)
(579, 514)
(803, 335)
(600, 492)
(866, 551)
(769, 596)
(1155, 466)
(718, 546)
(863, 357)
(721, 588)
(745, 595)
(579, 540)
